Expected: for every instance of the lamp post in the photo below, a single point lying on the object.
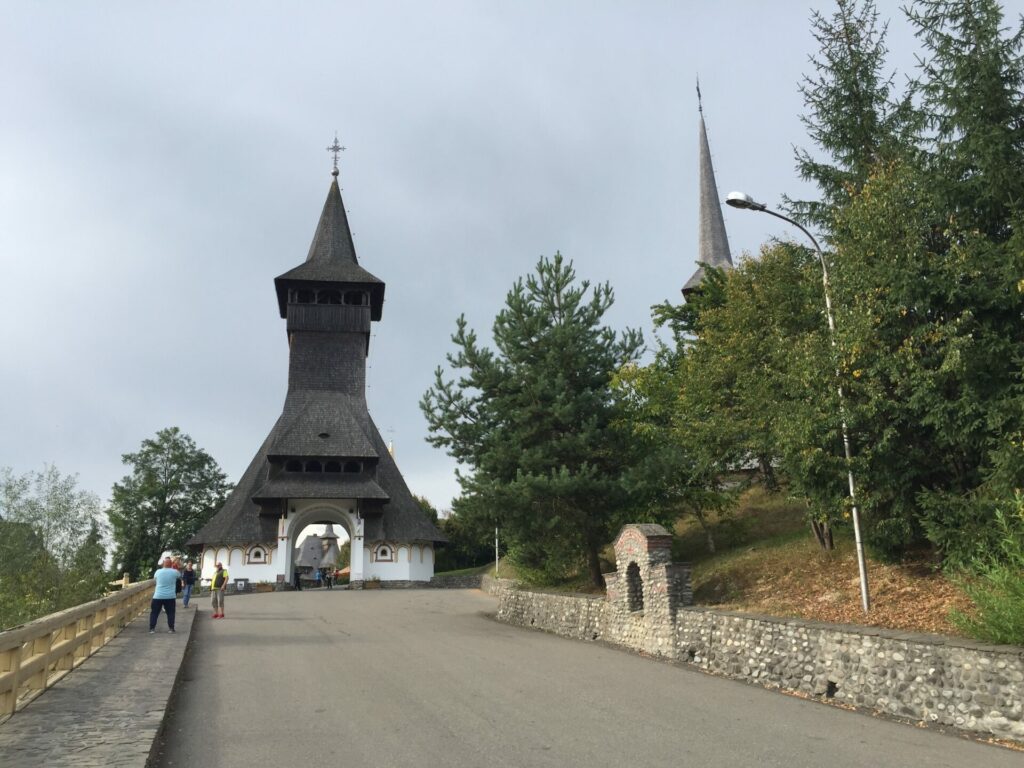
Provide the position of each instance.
(746, 202)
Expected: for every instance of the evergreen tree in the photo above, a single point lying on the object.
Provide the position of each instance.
(932, 339)
(533, 421)
(28, 575)
(972, 92)
(852, 116)
(87, 578)
(173, 489)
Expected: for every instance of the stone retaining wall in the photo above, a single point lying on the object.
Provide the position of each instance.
(457, 581)
(948, 681)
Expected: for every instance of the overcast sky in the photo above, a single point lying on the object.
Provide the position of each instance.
(161, 163)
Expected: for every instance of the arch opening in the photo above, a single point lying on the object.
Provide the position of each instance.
(634, 588)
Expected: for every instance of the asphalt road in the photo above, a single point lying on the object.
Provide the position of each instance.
(425, 678)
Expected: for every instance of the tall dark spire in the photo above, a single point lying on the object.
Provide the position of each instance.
(331, 257)
(712, 243)
(332, 240)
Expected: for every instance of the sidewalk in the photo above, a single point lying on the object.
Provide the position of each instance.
(109, 711)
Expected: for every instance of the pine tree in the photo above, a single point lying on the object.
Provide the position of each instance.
(533, 419)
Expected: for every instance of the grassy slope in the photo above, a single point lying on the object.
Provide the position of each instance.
(769, 563)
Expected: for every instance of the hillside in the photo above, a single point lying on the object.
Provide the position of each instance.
(768, 562)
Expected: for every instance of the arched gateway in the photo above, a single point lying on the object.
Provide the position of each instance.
(324, 460)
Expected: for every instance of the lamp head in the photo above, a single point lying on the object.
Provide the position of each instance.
(742, 200)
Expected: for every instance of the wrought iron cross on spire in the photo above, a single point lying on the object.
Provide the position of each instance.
(335, 149)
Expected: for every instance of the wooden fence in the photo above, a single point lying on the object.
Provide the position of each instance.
(35, 656)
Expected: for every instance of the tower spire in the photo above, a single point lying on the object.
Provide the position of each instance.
(712, 243)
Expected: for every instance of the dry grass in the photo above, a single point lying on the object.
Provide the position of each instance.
(767, 562)
(796, 579)
(775, 567)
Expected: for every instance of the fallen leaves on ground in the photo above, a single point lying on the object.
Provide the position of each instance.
(797, 580)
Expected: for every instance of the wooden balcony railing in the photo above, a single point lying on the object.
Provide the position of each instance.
(35, 656)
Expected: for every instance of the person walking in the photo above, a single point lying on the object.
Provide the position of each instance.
(319, 578)
(163, 595)
(218, 588)
(189, 580)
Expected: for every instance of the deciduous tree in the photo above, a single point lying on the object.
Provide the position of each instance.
(174, 487)
(49, 530)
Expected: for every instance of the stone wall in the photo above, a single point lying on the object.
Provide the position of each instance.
(458, 581)
(948, 681)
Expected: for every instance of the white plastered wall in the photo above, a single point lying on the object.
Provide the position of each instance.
(406, 562)
(410, 561)
(240, 563)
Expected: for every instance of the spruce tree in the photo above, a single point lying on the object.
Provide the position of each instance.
(853, 116)
(972, 99)
(533, 421)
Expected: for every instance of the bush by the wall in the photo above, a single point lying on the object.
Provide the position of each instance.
(998, 590)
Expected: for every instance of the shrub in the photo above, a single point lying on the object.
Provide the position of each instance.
(998, 590)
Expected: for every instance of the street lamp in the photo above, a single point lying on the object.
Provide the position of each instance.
(746, 202)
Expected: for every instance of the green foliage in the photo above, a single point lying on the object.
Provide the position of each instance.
(173, 489)
(469, 545)
(53, 505)
(998, 590)
(922, 205)
(428, 509)
(972, 92)
(755, 386)
(87, 577)
(852, 117)
(344, 555)
(51, 545)
(671, 475)
(28, 575)
(929, 329)
(533, 420)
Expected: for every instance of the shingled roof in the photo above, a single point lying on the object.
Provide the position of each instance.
(713, 243)
(332, 257)
(239, 521)
(322, 423)
(324, 416)
(301, 485)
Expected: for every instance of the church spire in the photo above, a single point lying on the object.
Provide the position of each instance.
(332, 241)
(331, 263)
(713, 243)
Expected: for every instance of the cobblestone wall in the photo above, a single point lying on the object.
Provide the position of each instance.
(953, 682)
(459, 581)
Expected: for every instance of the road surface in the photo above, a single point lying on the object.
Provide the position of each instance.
(425, 678)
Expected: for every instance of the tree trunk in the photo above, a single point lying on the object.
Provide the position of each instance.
(708, 536)
(768, 474)
(594, 565)
(823, 535)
